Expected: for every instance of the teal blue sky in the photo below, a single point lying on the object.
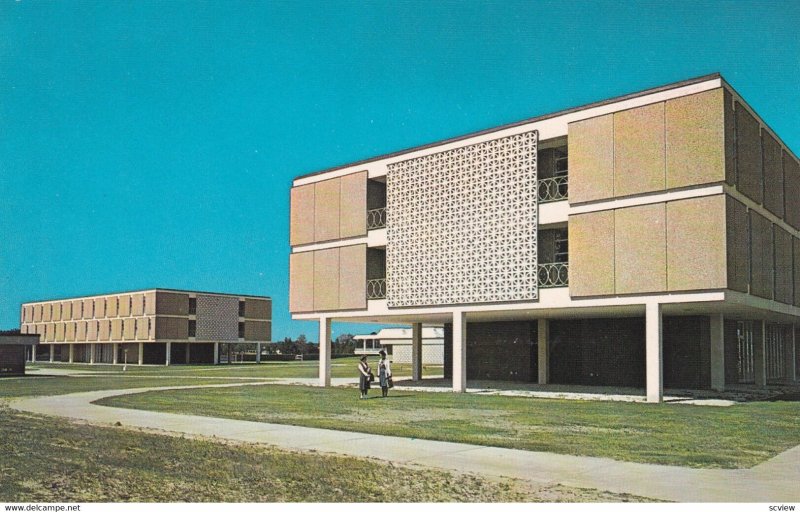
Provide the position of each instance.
(152, 143)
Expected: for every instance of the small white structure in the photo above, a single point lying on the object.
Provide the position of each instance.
(397, 344)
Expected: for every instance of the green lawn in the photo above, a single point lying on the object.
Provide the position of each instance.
(723, 437)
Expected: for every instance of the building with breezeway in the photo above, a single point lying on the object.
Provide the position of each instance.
(648, 240)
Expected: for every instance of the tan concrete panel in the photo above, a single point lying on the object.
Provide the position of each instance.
(640, 256)
(749, 175)
(301, 225)
(301, 282)
(37, 313)
(92, 329)
(39, 329)
(695, 139)
(353, 277)
(47, 313)
(60, 331)
(761, 256)
(150, 303)
(87, 308)
(353, 205)
(327, 199)
(696, 251)
(54, 332)
(784, 281)
(69, 331)
(791, 172)
(116, 329)
(260, 309)
(128, 331)
(796, 270)
(737, 229)
(591, 254)
(326, 280)
(99, 308)
(137, 307)
(142, 328)
(29, 313)
(168, 328)
(80, 331)
(77, 314)
(730, 139)
(125, 305)
(256, 331)
(57, 309)
(639, 150)
(591, 159)
(104, 330)
(773, 174)
(171, 303)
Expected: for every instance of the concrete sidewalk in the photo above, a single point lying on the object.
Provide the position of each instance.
(774, 480)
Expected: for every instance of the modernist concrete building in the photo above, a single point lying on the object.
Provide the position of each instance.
(648, 240)
(397, 344)
(13, 349)
(156, 326)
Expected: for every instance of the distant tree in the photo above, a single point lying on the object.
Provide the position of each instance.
(344, 344)
(10, 332)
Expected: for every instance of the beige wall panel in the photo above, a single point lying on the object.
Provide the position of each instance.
(260, 309)
(104, 330)
(37, 313)
(39, 329)
(640, 256)
(150, 303)
(353, 277)
(784, 281)
(142, 331)
(52, 331)
(170, 303)
(696, 252)
(591, 159)
(737, 229)
(92, 330)
(730, 139)
(87, 308)
(124, 305)
(695, 140)
(327, 198)
(796, 272)
(47, 312)
(639, 150)
(138, 304)
(128, 331)
(302, 215)
(112, 306)
(77, 313)
(116, 329)
(761, 256)
(256, 331)
(29, 313)
(749, 175)
(80, 331)
(773, 174)
(301, 282)
(69, 331)
(353, 205)
(60, 331)
(326, 280)
(591, 255)
(791, 172)
(66, 310)
(172, 328)
(99, 308)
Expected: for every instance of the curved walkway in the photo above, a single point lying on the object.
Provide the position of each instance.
(774, 480)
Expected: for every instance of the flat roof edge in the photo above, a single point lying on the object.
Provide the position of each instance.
(144, 290)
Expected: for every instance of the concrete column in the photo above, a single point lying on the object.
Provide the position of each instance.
(91, 353)
(115, 355)
(324, 351)
(416, 351)
(141, 353)
(759, 353)
(52, 353)
(258, 352)
(653, 351)
(717, 331)
(459, 351)
(168, 353)
(791, 356)
(33, 353)
(71, 352)
(216, 352)
(188, 353)
(543, 362)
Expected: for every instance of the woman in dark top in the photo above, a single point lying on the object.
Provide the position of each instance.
(364, 376)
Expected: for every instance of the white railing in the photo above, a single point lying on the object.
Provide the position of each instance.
(376, 219)
(376, 289)
(553, 189)
(553, 275)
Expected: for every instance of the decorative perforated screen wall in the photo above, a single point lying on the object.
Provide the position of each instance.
(217, 318)
(461, 225)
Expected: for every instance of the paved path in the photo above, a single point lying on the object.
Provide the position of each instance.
(775, 480)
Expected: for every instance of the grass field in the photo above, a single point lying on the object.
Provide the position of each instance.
(685, 435)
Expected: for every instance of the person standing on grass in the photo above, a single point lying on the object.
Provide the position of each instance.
(384, 374)
(364, 376)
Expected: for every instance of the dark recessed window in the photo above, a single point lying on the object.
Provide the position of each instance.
(192, 306)
(192, 328)
(241, 309)
(241, 329)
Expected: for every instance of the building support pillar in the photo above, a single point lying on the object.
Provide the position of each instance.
(115, 354)
(759, 353)
(91, 353)
(258, 352)
(52, 353)
(654, 352)
(71, 353)
(791, 356)
(324, 351)
(543, 344)
(168, 354)
(216, 352)
(459, 351)
(416, 351)
(33, 354)
(188, 353)
(141, 353)
(717, 331)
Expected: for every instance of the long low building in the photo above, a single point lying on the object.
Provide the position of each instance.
(155, 326)
(397, 344)
(13, 350)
